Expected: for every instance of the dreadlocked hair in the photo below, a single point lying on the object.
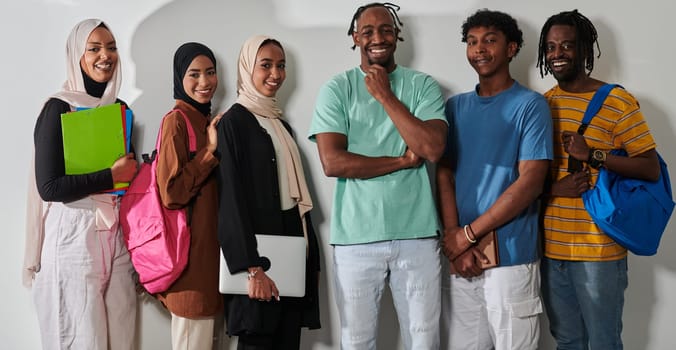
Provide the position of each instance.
(585, 38)
(494, 19)
(391, 8)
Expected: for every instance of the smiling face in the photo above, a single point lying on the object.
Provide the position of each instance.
(100, 57)
(561, 54)
(269, 70)
(200, 80)
(376, 37)
(488, 51)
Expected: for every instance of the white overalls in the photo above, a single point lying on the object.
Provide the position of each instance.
(84, 293)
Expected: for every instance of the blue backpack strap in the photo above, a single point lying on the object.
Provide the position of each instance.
(594, 105)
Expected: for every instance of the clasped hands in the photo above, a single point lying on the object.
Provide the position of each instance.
(464, 256)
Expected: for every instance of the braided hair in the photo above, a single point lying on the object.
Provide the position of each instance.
(391, 8)
(585, 38)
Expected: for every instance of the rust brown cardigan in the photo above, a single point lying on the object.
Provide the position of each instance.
(181, 181)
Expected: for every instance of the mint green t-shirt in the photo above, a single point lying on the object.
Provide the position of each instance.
(398, 205)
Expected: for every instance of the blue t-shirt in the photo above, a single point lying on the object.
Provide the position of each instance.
(488, 136)
(398, 205)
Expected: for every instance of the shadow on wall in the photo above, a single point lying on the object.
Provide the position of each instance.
(641, 296)
(313, 56)
(224, 27)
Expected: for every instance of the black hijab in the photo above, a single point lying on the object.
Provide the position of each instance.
(182, 59)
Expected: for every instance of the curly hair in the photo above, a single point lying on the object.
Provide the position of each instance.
(494, 19)
(585, 38)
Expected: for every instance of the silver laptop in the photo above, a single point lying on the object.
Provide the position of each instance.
(287, 266)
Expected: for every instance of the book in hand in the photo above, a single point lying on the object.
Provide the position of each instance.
(93, 139)
(488, 244)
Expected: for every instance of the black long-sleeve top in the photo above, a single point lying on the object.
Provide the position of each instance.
(50, 170)
(249, 189)
(249, 204)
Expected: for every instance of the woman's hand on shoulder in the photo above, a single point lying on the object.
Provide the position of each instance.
(212, 134)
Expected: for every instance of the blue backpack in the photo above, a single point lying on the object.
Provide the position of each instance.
(632, 212)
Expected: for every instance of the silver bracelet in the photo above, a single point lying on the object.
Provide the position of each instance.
(251, 274)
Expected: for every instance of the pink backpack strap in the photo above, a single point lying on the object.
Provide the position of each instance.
(192, 140)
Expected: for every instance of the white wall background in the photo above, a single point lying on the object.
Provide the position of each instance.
(637, 51)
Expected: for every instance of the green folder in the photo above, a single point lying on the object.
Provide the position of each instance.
(93, 139)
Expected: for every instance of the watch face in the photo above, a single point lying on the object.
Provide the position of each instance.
(599, 155)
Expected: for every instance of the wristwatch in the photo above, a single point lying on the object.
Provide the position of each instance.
(597, 158)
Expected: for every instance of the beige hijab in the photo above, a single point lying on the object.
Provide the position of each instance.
(74, 93)
(266, 107)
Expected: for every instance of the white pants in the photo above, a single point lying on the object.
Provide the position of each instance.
(84, 293)
(190, 334)
(497, 310)
(411, 267)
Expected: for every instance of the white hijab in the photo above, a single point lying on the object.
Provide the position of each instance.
(266, 107)
(74, 93)
(73, 90)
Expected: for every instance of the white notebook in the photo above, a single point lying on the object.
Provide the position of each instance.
(287, 267)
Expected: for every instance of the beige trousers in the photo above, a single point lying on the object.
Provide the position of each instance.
(190, 334)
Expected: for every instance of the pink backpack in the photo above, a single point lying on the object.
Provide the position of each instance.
(158, 239)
